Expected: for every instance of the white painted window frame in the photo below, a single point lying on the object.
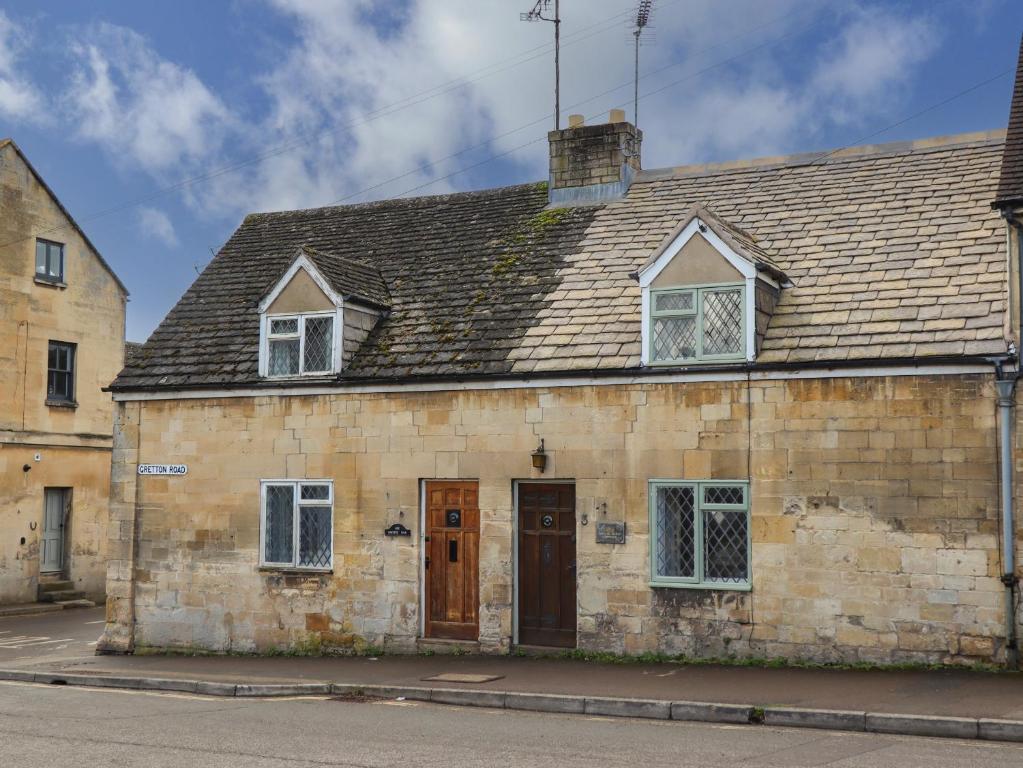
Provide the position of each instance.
(296, 486)
(337, 338)
(746, 269)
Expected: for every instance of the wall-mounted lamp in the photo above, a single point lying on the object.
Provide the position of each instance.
(539, 457)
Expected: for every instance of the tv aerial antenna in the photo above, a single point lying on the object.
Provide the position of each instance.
(536, 13)
(643, 10)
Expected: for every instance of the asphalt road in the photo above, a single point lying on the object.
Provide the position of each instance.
(51, 727)
(52, 636)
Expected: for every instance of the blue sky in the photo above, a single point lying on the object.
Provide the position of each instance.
(161, 124)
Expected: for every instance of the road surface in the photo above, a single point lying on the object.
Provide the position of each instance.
(52, 727)
(56, 636)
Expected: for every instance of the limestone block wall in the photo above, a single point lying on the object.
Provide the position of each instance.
(87, 473)
(874, 514)
(73, 442)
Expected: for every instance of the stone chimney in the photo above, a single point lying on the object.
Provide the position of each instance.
(593, 163)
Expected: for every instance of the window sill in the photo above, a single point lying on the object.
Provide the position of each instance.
(691, 361)
(702, 587)
(290, 570)
(50, 283)
(62, 404)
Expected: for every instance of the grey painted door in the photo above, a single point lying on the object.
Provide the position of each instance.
(52, 555)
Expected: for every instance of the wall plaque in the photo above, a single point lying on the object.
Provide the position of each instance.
(163, 469)
(397, 530)
(610, 533)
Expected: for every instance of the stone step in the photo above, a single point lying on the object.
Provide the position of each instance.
(447, 647)
(55, 586)
(62, 595)
(80, 603)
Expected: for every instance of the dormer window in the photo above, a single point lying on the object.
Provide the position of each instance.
(300, 344)
(317, 313)
(708, 292)
(696, 324)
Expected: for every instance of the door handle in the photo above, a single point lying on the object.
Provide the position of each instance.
(453, 551)
(427, 563)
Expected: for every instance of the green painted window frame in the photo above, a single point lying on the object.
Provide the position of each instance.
(698, 291)
(698, 581)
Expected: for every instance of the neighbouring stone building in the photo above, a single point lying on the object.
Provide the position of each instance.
(61, 342)
(748, 409)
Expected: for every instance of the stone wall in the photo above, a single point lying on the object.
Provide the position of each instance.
(73, 442)
(87, 473)
(874, 514)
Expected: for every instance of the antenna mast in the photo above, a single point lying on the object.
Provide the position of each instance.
(642, 19)
(536, 14)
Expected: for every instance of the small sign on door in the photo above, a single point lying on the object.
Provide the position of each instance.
(163, 469)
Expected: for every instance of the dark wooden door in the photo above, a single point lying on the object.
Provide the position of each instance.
(547, 607)
(452, 560)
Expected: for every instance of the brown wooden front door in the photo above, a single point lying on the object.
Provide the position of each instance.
(452, 560)
(547, 607)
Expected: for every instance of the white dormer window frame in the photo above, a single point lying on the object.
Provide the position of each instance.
(276, 326)
(746, 283)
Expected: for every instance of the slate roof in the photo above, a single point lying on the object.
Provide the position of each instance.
(132, 352)
(744, 244)
(893, 252)
(350, 278)
(1010, 185)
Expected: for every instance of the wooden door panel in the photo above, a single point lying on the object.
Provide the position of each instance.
(547, 555)
(452, 575)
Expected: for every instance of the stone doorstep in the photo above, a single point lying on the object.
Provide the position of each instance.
(991, 729)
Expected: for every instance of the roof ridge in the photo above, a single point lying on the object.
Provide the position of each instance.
(393, 201)
(932, 144)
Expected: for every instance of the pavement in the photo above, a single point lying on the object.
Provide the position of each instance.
(947, 703)
(58, 727)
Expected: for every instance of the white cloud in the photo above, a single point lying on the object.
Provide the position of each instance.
(156, 224)
(875, 55)
(332, 96)
(143, 109)
(19, 98)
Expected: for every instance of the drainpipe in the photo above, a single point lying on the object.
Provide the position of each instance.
(1006, 402)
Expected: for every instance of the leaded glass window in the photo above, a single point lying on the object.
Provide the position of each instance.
(699, 534)
(300, 344)
(697, 324)
(296, 525)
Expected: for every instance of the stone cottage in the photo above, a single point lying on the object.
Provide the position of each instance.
(750, 409)
(61, 343)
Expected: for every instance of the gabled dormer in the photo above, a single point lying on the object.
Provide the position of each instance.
(708, 292)
(313, 319)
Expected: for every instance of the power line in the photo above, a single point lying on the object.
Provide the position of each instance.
(813, 161)
(410, 101)
(428, 166)
(915, 115)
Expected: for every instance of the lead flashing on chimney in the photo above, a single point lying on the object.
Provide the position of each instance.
(591, 194)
